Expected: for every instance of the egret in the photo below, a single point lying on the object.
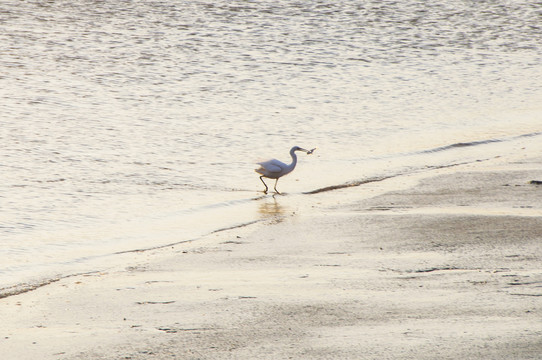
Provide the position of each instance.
(275, 169)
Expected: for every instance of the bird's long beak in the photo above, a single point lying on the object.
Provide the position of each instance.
(310, 151)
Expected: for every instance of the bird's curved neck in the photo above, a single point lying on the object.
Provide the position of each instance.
(294, 159)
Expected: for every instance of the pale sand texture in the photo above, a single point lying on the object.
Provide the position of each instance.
(448, 269)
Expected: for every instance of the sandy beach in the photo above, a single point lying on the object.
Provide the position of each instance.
(444, 264)
(133, 225)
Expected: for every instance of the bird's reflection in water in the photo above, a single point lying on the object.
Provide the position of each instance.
(271, 209)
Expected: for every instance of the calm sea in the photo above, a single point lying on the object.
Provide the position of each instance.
(134, 124)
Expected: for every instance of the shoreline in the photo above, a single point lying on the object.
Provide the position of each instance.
(415, 267)
(62, 257)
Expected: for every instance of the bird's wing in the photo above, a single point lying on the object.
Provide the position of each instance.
(273, 165)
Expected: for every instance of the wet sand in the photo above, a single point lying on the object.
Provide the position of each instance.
(440, 265)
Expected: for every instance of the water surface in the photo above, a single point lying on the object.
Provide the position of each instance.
(128, 125)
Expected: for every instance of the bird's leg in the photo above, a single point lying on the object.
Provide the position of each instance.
(265, 191)
(276, 181)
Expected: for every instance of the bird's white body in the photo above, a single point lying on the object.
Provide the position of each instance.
(275, 169)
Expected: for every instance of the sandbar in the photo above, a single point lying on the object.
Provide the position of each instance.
(443, 265)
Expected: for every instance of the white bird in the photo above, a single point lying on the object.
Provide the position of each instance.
(274, 169)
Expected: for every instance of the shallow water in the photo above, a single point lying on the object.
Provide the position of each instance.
(130, 125)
